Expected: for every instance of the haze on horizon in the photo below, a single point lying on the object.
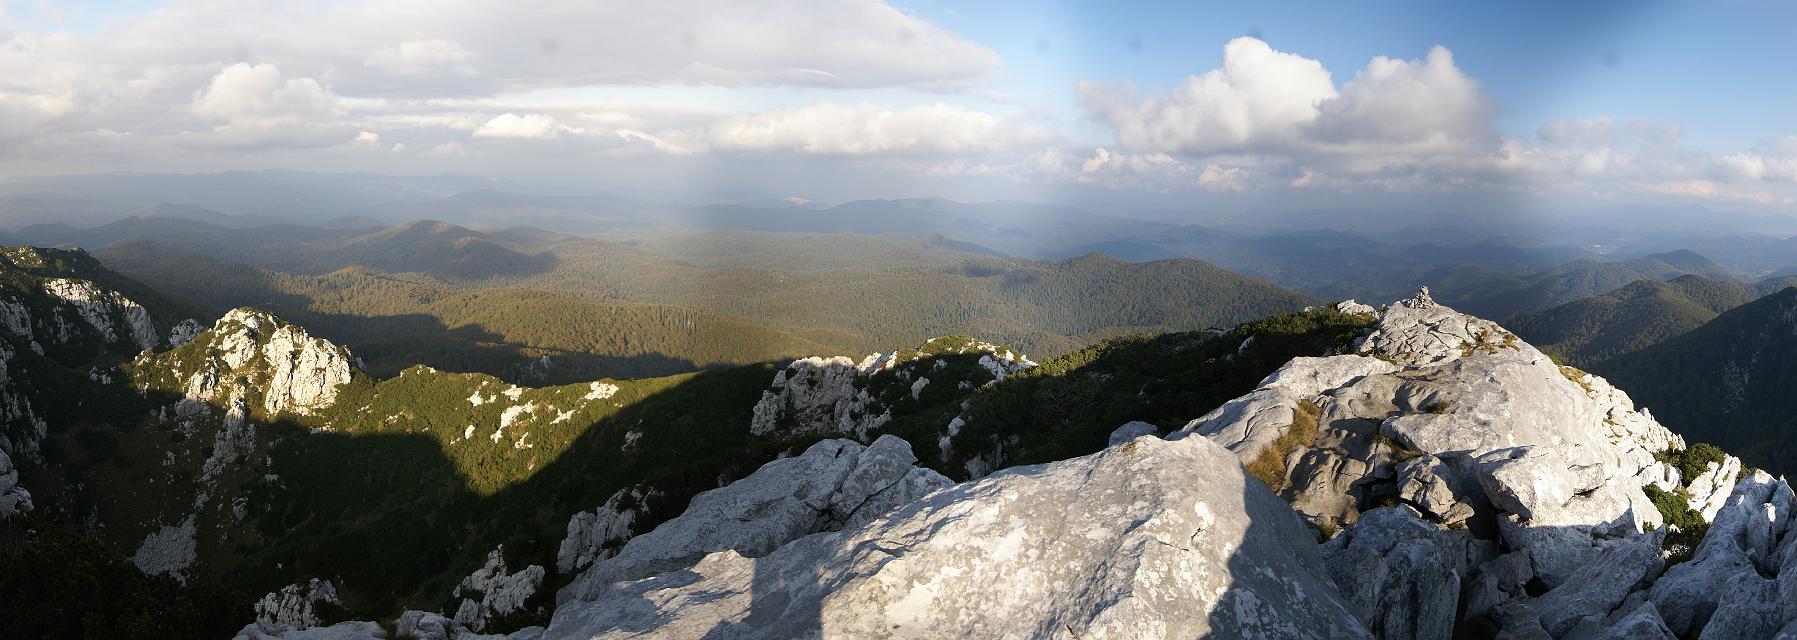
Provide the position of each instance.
(1214, 108)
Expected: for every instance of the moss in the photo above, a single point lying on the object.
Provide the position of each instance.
(1269, 466)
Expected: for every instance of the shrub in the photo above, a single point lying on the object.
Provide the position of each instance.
(1678, 513)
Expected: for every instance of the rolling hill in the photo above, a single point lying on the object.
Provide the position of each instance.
(1726, 382)
(841, 291)
(1590, 277)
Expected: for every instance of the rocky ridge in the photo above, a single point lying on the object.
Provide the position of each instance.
(842, 396)
(1459, 478)
(1514, 487)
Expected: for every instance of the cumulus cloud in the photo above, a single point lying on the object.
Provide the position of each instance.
(258, 94)
(1409, 106)
(1262, 100)
(829, 128)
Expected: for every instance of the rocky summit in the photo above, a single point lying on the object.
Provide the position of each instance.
(1440, 479)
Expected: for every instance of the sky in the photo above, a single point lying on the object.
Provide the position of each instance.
(1179, 105)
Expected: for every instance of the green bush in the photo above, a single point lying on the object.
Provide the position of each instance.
(1690, 525)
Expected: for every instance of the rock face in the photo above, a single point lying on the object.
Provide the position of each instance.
(14, 499)
(70, 312)
(833, 484)
(295, 607)
(841, 396)
(1710, 489)
(818, 395)
(252, 354)
(595, 535)
(1401, 575)
(109, 313)
(491, 591)
(1468, 424)
(1149, 539)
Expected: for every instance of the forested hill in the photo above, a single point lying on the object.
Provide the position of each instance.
(1641, 314)
(1727, 382)
(704, 298)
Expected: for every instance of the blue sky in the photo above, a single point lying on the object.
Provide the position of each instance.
(1534, 104)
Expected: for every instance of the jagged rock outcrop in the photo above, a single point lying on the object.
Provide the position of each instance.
(110, 314)
(184, 332)
(1149, 539)
(596, 535)
(838, 395)
(14, 499)
(1746, 542)
(833, 484)
(1455, 416)
(45, 306)
(253, 354)
(1598, 587)
(819, 395)
(1401, 575)
(491, 591)
(1709, 491)
(22, 425)
(296, 607)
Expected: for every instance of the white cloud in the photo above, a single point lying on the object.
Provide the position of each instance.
(1412, 106)
(246, 94)
(512, 125)
(420, 57)
(1259, 98)
(829, 128)
(1263, 101)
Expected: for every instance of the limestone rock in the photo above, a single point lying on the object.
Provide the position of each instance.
(1598, 587)
(355, 630)
(832, 483)
(1643, 623)
(1749, 609)
(1399, 574)
(595, 535)
(818, 396)
(184, 332)
(110, 314)
(1130, 431)
(168, 550)
(1354, 308)
(491, 591)
(1501, 579)
(1690, 592)
(14, 499)
(1453, 415)
(1247, 425)
(285, 367)
(1710, 489)
(295, 607)
(1153, 538)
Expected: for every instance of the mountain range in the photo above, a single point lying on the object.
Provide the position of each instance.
(1401, 471)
